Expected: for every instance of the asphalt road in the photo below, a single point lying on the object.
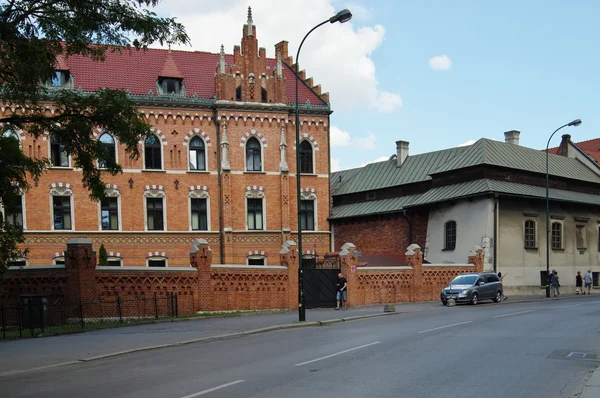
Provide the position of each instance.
(521, 350)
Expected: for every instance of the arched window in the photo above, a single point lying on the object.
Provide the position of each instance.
(306, 157)
(109, 144)
(253, 156)
(238, 93)
(197, 154)
(152, 153)
(58, 155)
(529, 235)
(10, 134)
(450, 235)
(263, 95)
(556, 236)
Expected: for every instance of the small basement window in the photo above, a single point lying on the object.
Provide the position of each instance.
(17, 263)
(157, 262)
(257, 261)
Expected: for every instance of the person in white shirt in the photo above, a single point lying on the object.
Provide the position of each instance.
(588, 282)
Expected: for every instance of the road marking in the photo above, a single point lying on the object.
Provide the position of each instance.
(565, 306)
(214, 389)
(513, 313)
(443, 327)
(337, 353)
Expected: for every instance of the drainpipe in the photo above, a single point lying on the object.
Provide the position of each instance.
(495, 248)
(403, 213)
(220, 187)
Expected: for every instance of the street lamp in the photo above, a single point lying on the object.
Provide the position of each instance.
(574, 123)
(341, 17)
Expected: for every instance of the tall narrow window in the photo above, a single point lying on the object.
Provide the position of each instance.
(253, 156)
(15, 217)
(580, 238)
(197, 154)
(152, 153)
(255, 214)
(556, 236)
(307, 215)
(111, 154)
(58, 155)
(109, 212)
(306, 157)
(450, 235)
(238, 93)
(199, 215)
(61, 212)
(263, 95)
(154, 214)
(529, 234)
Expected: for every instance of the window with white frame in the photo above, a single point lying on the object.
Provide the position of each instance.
(308, 200)
(256, 260)
(115, 261)
(109, 143)
(58, 260)
(14, 216)
(158, 262)
(529, 234)
(154, 202)
(152, 153)
(306, 157)
(197, 150)
(199, 214)
(255, 213)
(61, 212)
(109, 213)
(557, 233)
(253, 155)
(58, 156)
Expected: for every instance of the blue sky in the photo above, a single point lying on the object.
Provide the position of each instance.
(513, 65)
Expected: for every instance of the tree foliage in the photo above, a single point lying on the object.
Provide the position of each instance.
(32, 35)
(102, 255)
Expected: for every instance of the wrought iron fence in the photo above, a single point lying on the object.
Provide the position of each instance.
(38, 315)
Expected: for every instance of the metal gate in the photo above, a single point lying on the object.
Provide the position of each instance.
(319, 280)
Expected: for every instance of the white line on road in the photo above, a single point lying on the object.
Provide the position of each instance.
(565, 306)
(513, 313)
(214, 389)
(443, 327)
(337, 353)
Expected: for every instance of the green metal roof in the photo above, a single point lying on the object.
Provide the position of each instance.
(381, 206)
(478, 187)
(517, 157)
(386, 174)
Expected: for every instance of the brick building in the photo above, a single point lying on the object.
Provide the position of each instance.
(490, 194)
(220, 164)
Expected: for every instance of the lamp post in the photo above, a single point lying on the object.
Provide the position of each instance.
(343, 16)
(574, 123)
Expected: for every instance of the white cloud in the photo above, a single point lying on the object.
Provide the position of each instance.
(470, 142)
(338, 56)
(336, 164)
(440, 62)
(365, 143)
(379, 159)
(339, 137)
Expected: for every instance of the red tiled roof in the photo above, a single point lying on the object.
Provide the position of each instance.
(138, 71)
(590, 147)
(61, 63)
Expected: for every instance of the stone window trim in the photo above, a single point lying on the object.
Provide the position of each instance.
(14, 132)
(198, 192)
(69, 160)
(58, 258)
(157, 256)
(530, 234)
(155, 191)
(256, 134)
(206, 140)
(311, 194)
(23, 210)
(581, 240)
(309, 138)
(111, 191)
(450, 235)
(313, 159)
(261, 158)
(255, 191)
(557, 235)
(196, 132)
(256, 194)
(61, 189)
(256, 255)
(115, 143)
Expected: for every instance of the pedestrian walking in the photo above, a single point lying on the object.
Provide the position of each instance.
(578, 283)
(502, 279)
(588, 282)
(553, 283)
(555, 272)
(342, 292)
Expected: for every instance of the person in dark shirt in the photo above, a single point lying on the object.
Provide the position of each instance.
(342, 291)
(578, 283)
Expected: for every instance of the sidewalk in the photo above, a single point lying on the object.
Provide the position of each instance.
(19, 356)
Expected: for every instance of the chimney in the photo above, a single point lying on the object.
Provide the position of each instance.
(563, 149)
(401, 152)
(512, 137)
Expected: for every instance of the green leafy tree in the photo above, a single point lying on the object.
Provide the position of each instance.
(102, 255)
(32, 35)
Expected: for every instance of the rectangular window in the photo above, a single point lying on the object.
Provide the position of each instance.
(60, 78)
(450, 235)
(157, 263)
(115, 263)
(62, 212)
(595, 279)
(255, 214)
(580, 236)
(17, 263)
(256, 261)
(556, 236)
(59, 261)
(58, 156)
(16, 217)
(530, 234)
(199, 215)
(154, 213)
(543, 278)
(307, 215)
(109, 212)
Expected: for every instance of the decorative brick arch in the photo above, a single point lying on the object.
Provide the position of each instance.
(196, 132)
(198, 191)
(309, 138)
(253, 133)
(18, 132)
(154, 191)
(156, 254)
(60, 188)
(161, 136)
(308, 193)
(112, 190)
(257, 253)
(255, 191)
(58, 255)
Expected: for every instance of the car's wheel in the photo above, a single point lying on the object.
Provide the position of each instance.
(498, 297)
(474, 299)
(444, 302)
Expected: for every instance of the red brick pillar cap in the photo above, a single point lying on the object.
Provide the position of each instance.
(347, 246)
(288, 243)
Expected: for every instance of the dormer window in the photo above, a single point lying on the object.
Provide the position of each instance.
(61, 78)
(170, 85)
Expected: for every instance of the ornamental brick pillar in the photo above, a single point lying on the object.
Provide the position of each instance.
(477, 258)
(348, 264)
(80, 266)
(414, 259)
(201, 259)
(288, 256)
